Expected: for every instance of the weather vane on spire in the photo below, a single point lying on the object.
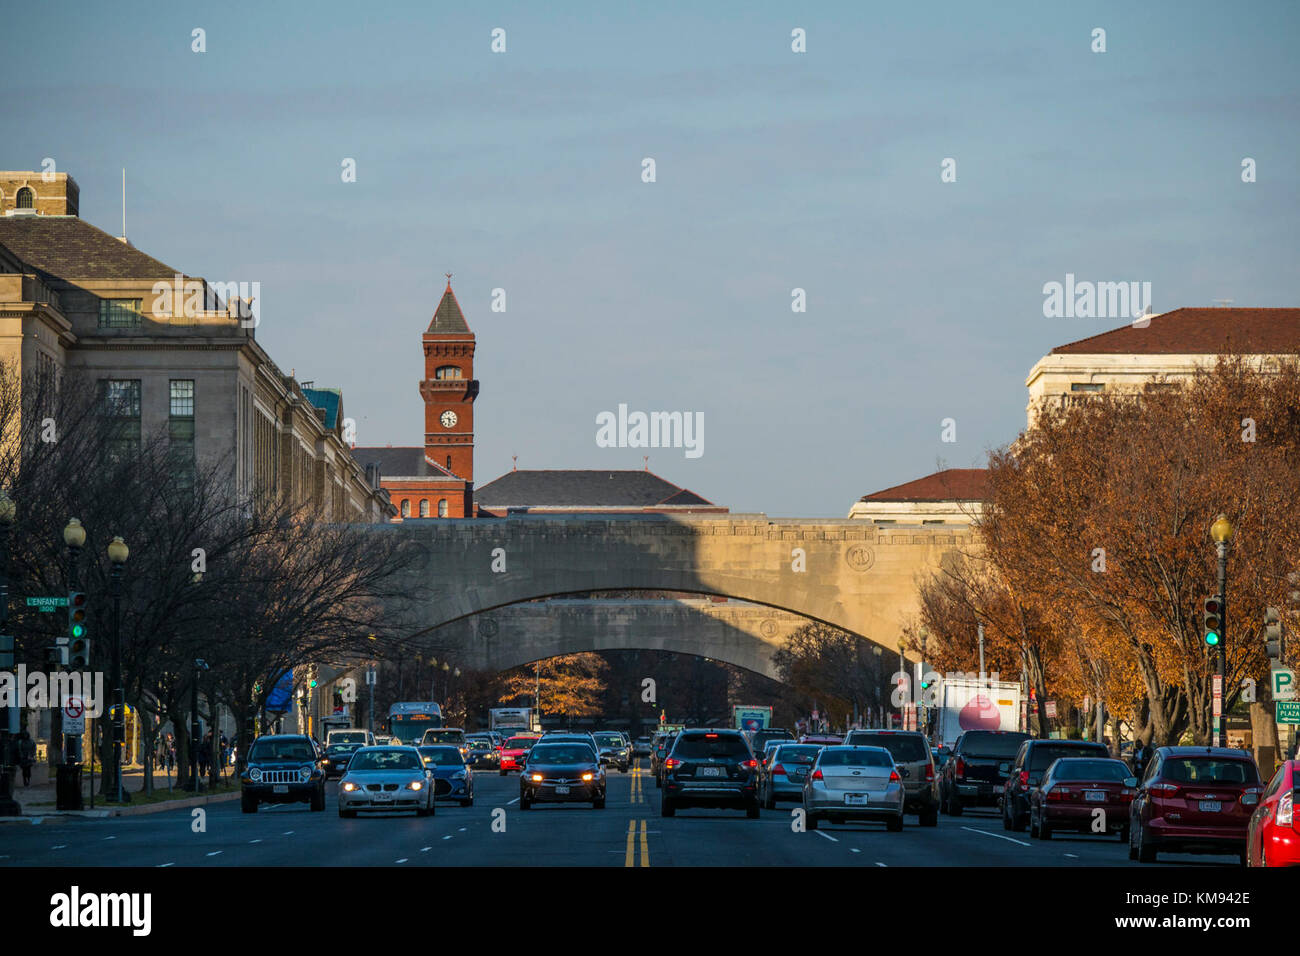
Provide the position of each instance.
(448, 275)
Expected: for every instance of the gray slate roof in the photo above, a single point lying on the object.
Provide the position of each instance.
(583, 488)
(402, 462)
(448, 317)
(68, 247)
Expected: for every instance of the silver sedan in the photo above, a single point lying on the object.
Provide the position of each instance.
(854, 783)
(384, 779)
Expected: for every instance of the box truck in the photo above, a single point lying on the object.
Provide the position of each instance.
(967, 703)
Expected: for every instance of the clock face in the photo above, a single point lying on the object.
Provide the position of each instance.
(448, 419)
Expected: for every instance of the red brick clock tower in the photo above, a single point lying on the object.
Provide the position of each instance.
(449, 389)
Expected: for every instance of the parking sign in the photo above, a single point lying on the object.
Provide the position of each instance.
(1283, 683)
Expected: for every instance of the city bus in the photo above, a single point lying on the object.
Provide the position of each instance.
(408, 720)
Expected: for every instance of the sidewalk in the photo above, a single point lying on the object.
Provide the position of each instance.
(38, 800)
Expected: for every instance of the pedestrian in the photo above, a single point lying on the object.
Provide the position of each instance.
(204, 750)
(171, 754)
(26, 756)
(1141, 757)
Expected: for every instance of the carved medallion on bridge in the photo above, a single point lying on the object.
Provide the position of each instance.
(768, 627)
(488, 626)
(860, 557)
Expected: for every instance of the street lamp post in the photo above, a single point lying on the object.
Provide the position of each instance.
(118, 552)
(195, 731)
(74, 536)
(8, 805)
(1221, 532)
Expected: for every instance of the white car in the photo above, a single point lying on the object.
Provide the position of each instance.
(854, 783)
(384, 779)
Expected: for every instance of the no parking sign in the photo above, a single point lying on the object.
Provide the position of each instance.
(74, 715)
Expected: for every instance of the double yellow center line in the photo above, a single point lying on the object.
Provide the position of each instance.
(630, 858)
(638, 794)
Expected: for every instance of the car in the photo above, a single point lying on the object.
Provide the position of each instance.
(482, 753)
(283, 768)
(782, 776)
(1071, 790)
(976, 773)
(825, 740)
(350, 735)
(710, 768)
(641, 747)
(1273, 839)
(513, 752)
(383, 740)
(567, 771)
(766, 755)
(452, 777)
(445, 735)
(759, 739)
(614, 749)
(1194, 800)
(1034, 757)
(384, 779)
(854, 783)
(336, 758)
(911, 750)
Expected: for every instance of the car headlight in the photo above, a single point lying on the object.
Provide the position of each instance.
(255, 774)
(587, 776)
(349, 786)
(536, 777)
(304, 774)
(415, 785)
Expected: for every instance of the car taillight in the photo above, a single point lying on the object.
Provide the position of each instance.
(817, 775)
(929, 772)
(1163, 788)
(894, 777)
(1058, 793)
(672, 762)
(749, 764)
(778, 771)
(960, 769)
(1286, 809)
(1024, 779)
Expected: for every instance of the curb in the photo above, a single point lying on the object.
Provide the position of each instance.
(35, 818)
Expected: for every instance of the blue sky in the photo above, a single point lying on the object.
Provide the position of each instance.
(775, 170)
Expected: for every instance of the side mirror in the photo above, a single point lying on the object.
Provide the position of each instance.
(1130, 781)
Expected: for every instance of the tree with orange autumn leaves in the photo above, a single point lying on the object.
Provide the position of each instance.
(1094, 552)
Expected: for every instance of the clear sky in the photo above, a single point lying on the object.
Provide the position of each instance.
(775, 171)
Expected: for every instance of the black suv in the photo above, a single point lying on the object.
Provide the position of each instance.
(283, 768)
(1033, 758)
(759, 739)
(977, 770)
(710, 768)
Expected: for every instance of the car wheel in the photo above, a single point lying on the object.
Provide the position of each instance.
(810, 821)
(769, 802)
(318, 800)
(1044, 830)
(347, 814)
(468, 802)
(954, 805)
(1146, 853)
(248, 804)
(751, 811)
(503, 773)
(421, 812)
(1244, 857)
(1033, 825)
(524, 803)
(1006, 818)
(598, 803)
(1132, 841)
(895, 825)
(1017, 821)
(659, 784)
(666, 808)
(929, 817)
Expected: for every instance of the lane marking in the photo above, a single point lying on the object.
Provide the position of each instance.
(287, 833)
(645, 847)
(461, 830)
(214, 853)
(878, 863)
(161, 865)
(425, 849)
(515, 800)
(1073, 856)
(110, 838)
(851, 850)
(251, 842)
(61, 846)
(819, 833)
(403, 859)
(998, 836)
(629, 858)
(448, 836)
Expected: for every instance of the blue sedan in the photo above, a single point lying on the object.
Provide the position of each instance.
(452, 777)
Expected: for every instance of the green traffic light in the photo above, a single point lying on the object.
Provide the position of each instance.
(1211, 638)
(78, 630)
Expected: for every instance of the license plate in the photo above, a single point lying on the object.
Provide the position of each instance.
(709, 772)
(1096, 796)
(561, 790)
(280, 788)
(383, 797)
(1211, 806)
(855, 799)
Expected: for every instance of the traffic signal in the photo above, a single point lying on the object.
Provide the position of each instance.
(312, 683)
(1273, 646)
(78, 655)
(1212, 621)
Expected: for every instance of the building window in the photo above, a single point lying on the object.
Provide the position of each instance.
(1086, 386)
(119, 313)
(424, 507)
(26, 199)
(180, 427)
(120, 403)
(447, 371)
(406, 507)
(442, 507)
(449, 462)
(931, 521)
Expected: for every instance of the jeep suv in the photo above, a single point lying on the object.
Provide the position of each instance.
(283, 768)
(910, 749)
(710, 768)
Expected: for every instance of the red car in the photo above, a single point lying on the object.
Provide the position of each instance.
(514, 753)
(1073, 789)
(1274, 835)
(1194, 800)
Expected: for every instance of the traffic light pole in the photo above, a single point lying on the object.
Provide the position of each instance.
(119, 697)
(8, 805)
(1220, 659)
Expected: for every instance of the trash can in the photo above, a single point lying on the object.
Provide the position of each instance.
(67, 787)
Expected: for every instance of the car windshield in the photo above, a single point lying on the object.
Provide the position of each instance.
(904, 748)
(977, 743)
(561, 754)
(799, 753)
(1042, 755)
(1208, 770)
(855, 757)
(706, 746)
(519, 743)
(280, 750)
(342, 748)
(480, 745)
(444, 737)
(385, 760)
(441, 756)
(609, 740)
(347, 737)
(1079, 769)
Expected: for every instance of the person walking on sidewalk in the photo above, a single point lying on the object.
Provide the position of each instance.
(26, 756)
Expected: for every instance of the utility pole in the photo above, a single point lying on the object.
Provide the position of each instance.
(981, 640)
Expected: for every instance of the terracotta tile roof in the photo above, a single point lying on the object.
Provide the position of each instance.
(952, 484)
(70, 248)
(581, 488)
(448, 316)
(1199, 332)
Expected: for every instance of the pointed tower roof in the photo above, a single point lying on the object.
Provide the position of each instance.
(447, 317)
